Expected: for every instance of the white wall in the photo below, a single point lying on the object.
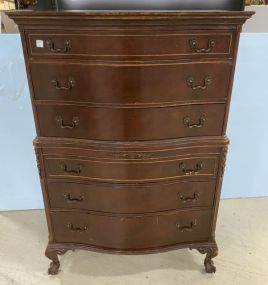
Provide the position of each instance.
(259, 22)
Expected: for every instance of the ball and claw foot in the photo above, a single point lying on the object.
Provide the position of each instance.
(209, 266)
(210, 252)
(53, 268)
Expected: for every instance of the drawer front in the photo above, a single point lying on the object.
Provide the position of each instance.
(131, 232)
(131, 84)
(203, 165)
(133, 45)
(117, 198)
(126, 124)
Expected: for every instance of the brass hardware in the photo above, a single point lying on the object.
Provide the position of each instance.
(207, 82)
(189, 199)
(60, 122)
(51, 46)
(64, 167)
(71, 84)
(187, 228)
(195, 171)
(194, 46)
(77, 229)
(201, 121)
(71, 199)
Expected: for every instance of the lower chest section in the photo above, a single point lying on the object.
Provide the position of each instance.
(126, 198)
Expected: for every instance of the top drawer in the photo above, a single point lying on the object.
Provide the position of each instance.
(131, 45)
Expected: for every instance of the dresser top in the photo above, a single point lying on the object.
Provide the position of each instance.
(183, 16)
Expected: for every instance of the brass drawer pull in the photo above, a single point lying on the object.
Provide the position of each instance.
(71, 199)
(187, 228)
(51, 46)
(194, 46)
(64, 167)
(207, 82)
(201, 121)
(60, 122)
(80, 229)
(195, 171)
(189, 199)
(56, 84)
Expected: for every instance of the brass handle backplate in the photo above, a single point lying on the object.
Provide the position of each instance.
(187, 228)
(194, 46)
(189, 171)
(64, 167)
(207, 82)
(199, 124)
(51, 46)
(77, 229)
(71, 199)
(189, 199)
(56, 84)
(72, 125)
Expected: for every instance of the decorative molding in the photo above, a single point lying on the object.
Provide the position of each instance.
(223, 161)
(132, 155)
(187, 17)
(38, 161)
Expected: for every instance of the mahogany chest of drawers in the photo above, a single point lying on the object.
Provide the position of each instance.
(131, 111)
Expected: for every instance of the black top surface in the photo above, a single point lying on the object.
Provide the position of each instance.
(228, 5)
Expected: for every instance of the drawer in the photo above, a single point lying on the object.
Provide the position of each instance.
(131, 232)
(129, 124)
(131, 84)
(129, 198)
(203, 165)
(131, 45)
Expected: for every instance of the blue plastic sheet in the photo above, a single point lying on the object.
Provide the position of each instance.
(12, 71)
(19, 183)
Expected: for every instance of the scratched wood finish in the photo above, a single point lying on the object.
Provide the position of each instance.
(132, 232)
(131, 110)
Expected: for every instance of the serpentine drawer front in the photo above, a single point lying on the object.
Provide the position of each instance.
(146, 45)
(132, 232)
(143, 84)
(131, 198)
(100, 123)
(131, 110)
(120, 171)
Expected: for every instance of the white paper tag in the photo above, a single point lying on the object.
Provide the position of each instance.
(39, 43)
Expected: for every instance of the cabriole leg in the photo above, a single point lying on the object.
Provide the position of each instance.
(52, 253)
(210, 252)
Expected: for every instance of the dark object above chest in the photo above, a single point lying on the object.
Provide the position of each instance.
(228, 5)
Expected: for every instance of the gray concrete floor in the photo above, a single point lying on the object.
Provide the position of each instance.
(242, 236)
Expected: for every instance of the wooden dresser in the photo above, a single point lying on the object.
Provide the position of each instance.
(131, 111)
